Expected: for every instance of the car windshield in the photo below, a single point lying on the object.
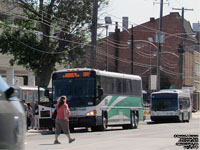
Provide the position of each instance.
(164, 102)
(80, 91)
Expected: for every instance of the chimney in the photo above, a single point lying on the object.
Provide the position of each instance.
(125, 23)
(152, 19)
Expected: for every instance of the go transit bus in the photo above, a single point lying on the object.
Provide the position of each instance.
(98, 99)
(171, 104)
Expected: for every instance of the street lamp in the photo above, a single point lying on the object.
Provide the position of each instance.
(107, 21)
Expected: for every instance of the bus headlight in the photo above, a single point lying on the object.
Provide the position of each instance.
(92, 113)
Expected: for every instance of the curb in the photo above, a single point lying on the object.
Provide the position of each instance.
(38, 132)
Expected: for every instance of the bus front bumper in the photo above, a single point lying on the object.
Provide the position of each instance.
(85, 121)
(164, 118)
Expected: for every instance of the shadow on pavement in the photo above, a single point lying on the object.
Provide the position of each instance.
(163, 122)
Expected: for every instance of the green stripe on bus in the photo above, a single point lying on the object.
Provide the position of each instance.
(126, 102)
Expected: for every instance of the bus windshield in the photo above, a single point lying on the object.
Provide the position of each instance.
(164, 102)
(79, 91)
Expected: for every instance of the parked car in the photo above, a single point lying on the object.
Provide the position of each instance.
(12, 119)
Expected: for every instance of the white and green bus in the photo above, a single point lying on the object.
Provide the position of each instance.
(172, 105)
(33, 94)
(98, 99)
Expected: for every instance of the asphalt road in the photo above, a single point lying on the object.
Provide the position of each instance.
(149, 136)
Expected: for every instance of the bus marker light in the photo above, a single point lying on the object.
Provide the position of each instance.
(92, 113)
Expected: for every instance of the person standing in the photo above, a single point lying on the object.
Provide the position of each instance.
(62, 119)
(29, 115)
(36, 117)
(24, 105)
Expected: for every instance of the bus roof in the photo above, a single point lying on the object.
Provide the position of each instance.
(103, 73)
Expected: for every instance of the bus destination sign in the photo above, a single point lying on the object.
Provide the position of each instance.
(75, 74)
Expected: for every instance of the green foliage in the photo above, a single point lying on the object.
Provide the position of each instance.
(30, 39)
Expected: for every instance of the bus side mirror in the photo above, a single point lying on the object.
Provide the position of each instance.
(46, 93)
(100, 90)
(180, 106)
(50, 96)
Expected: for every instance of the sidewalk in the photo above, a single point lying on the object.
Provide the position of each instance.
(32, 132)
(196, 114)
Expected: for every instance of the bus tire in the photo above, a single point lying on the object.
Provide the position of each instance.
(188, 120)
(103, 127)
(134, 120)
(181, 118)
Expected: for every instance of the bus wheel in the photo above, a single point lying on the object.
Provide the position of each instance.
(101, 127)
(104, 124)
(188, 119)
(134, 120)
(182, 117)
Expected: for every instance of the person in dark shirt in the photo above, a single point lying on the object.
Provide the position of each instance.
(36, 117)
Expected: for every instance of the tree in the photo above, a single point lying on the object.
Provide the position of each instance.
(46, 33)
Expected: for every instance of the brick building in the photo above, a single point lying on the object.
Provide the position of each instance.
(145, 49)
(114, 54)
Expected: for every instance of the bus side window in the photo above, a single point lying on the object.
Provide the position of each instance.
(98, 84)
(114, 86)
(109, 85)
(119, 86)
(187, 102)
(134, 87)
(184, 102)
(181, 103)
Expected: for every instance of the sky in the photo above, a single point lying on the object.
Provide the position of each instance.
(140, 11)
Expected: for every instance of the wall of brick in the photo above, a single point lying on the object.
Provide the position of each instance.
(144, 61)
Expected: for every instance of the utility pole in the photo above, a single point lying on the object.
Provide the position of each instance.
(94, 35)
(132, 47)
(116, 46)
(180, 48)
(159, 46)
(106, 47)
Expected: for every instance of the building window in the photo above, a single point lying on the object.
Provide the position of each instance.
(197, 69)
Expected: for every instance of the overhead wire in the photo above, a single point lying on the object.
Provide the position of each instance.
(36, 32)
(155, 30)
(151, 29)
(118, 58)
(50, 23)
(46, 51)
